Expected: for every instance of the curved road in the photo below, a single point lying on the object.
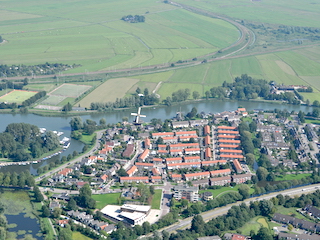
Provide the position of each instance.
(78, 159)
(186, 223)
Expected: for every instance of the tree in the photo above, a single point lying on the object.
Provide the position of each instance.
(250, 158)
(290, 227)
(1, 39)
(37, 194)
(56, 212)
(72, 205)
(265, 207)
(51, 141)
(146, 227)
(76, 123)
(263, 234)
(195, 94)
(122, 173)
(197, 224)
(67, 107)
(138, 90)
(184, 203)
(262, 173)
(244, 191)
(65, 234)
(45, 211)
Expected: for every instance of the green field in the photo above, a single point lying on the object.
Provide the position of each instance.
(223, 190)
(79, 236)
(92, 34)
(105, 199)
(70, 90)
(156, 199)
(255, 224)
(289, 177)
(17, 96)
(290, 211)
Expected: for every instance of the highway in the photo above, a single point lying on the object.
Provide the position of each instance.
(78, 159)
(186, 223)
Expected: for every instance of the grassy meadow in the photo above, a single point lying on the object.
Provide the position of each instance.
(92, 34)
(17, 96)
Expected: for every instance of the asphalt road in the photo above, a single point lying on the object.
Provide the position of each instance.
(78, 159)
(186, 223)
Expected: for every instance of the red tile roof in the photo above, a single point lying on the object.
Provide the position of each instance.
(228, 136)
(144, 154)
(237, 165)
(227, 127)
(229, 141)
(231, 156)
(132, 170)
(214, 162)
(186, 133)
(197, 174)
(222, 171)
(228, 146)
(183, 164)
(144, 164)
(230, 151)
(227, 132)
(134, 178)
(206, 129)
(162, 134)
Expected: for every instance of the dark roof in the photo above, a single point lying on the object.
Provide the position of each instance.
(297, 236)
(313, 210)
(303, 224)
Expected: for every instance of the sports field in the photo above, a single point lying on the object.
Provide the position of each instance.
(17, 96)
(70, 90)
(91, 33)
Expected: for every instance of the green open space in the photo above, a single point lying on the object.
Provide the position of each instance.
(289, 177)
(255, 224)
(17, 96)
(79, 236)
(106, 199)
(290, 211)
(223, 190)
(156, 199)
(70, 90)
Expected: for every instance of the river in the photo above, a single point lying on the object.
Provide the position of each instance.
(62, 123)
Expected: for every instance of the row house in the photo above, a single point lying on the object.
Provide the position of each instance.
(132, 170)
(156, 179)
(231, 151)
(298, 223)
(200, 122)
(237, 166)
(228, 146)
(162, 147)
(184, 145)
(180, 124)
(134, 179)
(128, 151)
(221, 172)
(230, 157)
(228, 137)
(173, 160)
(207, 130)
(207, 140)
(227, 132)
(187, 138)
(208, 154)
(201, 183)
(141, 165)
(157, 161)
(228, 141)
(162, 135)
(176, 152)
(241, 178)
(220, 181)
(170, 139)
(176, 177)
(186, 133)
(198, 175)
(143, 156)
(191, 159)
(227, 128)
(163, 152)
(213, 163)
(184, 165)
(191, 151)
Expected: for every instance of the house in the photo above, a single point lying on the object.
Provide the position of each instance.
(187, 138)
(198, 175)
(176, 177)
(134, 179)
(191, 159)
(104, 178)
(209, 238)
(162, 135)
(208, 154)
(157, 161)
(298, 223)
(290, 236)
(191, 151)
(185, 192)
(227, 132)
(230, 142)
(226, 128)
(176, 152)
(237, 166)
(170, 139)
(184, 145)
(230, 151)
(201, 122)
(207, 140)
(213, 163)
(155, 172)
(156, 179)
(173, 160)
(312, 211)
(228, 146)
(184, 165)
(201, 183)
(132, 170)
(147, 143)
(53, 205)
(206, 130)
(144, 165)
(128, 151)
(61, 196)
(232, 137)
(180, 124)
(221, 172)
(241, 178)
(80, 184)
(65, 171)
(186, 133)
(62, 222)
(143, 156)
(220, 181)
(231, 157)
(207, 196)
(110, 228)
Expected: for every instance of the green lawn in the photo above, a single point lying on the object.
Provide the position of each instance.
(224, 190)
(290, 211)
(87, 138)
(79, 236)
(289, 177)
(156, 199)
(256, 223)
(106, 199)
(17, 96)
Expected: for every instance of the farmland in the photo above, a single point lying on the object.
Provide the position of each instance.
(17, 96)
(92, 34)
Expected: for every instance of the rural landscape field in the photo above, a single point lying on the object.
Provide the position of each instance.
(92, 35)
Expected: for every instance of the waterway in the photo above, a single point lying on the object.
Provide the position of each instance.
(62, 123)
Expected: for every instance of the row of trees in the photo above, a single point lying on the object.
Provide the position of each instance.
(22, 142)
(134, 19)
(13, 179)
(79, 127)
(34, 98)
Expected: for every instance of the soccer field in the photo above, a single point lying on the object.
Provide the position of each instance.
(17, 96)
(70, 90)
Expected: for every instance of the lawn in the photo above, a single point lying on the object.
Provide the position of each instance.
(289, 177)
(106, 199)
(156, 199)
(255, 224)
(79, 236)
(109, 91)
(87, 139)
(17, 96)
(290, 211)
(70, 90)
(224, 190)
